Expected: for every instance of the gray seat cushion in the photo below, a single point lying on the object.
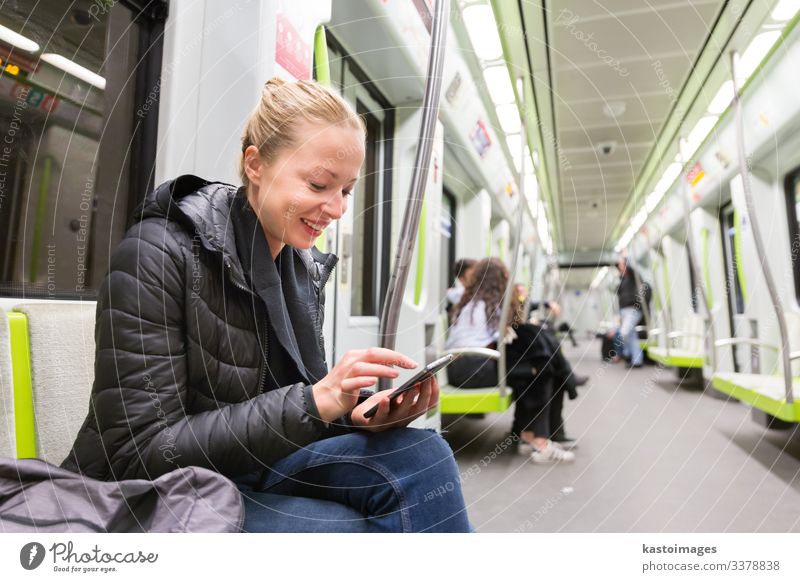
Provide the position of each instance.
(62, 369)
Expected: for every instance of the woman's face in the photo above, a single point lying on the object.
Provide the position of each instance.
(303, 190)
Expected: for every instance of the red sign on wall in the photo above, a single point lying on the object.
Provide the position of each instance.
(291, 52)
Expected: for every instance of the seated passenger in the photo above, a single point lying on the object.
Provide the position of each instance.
(535, 366)
(461, 272)
(568, 380)
(210, 348)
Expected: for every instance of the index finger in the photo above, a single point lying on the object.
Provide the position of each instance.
(389, 357)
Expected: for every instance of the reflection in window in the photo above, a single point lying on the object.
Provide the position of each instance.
(56, 115)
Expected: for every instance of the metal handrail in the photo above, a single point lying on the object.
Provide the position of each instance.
(680, 334)
(732, 341)
(410, 227)
(484, 352)
(760, 249)
(693, 265)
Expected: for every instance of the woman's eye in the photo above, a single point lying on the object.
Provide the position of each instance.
(317, 187)
(347, 192)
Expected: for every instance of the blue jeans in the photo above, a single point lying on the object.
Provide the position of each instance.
(400, 480)
(630, 317)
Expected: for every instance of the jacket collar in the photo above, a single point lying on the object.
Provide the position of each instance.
(215, 211)
(286, 287)
(206, 207)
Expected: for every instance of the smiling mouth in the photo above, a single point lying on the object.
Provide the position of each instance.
(313, 229)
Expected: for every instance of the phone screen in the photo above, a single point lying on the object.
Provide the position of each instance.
(428, 371)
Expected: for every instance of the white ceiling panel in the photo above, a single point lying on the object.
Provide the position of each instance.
(616, 69)
(676, 29)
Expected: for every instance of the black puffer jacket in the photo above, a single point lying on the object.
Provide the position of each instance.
(181, 335)
(629, 295)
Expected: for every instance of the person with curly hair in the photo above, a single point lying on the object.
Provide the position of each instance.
(529, 358)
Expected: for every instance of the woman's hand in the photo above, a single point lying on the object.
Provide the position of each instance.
(337, 393)
(401, 412)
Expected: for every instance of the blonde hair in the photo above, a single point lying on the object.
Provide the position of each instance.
(272, 126)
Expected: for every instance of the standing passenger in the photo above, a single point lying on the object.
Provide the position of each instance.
(630, 313)
(210, 348)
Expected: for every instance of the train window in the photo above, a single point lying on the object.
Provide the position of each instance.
(371, 204)
(448, 229)
(72, 144)
(364, 299)
(692, 280)
(729, 227)
(792, 190)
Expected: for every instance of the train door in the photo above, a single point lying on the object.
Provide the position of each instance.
(660, 306)
(364, 231)
(678, 282)
(710, 256)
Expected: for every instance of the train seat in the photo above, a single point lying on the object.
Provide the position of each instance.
(7, 440)
(453, 400)
(60, 371)
(684, 348)
(53, 371)
(766, 392)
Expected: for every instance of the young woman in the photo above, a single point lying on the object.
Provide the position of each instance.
(477, 319)
(210, 352)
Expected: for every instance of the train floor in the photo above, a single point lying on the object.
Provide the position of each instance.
(653, 456)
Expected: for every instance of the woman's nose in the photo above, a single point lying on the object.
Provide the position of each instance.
(335, 206)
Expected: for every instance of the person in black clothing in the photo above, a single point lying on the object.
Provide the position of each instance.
(630, 299)
(531, 360)
(566, 381)
(210, 350)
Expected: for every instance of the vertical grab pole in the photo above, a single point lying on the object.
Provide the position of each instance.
(516, 243)
(762, 254)
(693, 265)
(408, 231)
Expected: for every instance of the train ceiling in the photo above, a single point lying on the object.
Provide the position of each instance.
(613, 82)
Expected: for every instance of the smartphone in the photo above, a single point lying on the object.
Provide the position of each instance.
(426, 372)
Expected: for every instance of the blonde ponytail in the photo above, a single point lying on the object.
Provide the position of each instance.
(272, 125)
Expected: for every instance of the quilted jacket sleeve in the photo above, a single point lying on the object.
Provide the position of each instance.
(141, 391)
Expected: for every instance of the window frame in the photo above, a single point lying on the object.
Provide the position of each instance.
(791, 187)
(345, 66)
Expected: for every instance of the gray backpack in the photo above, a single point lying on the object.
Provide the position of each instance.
(36, 496)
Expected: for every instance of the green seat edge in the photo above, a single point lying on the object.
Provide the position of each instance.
(472, 400)
(676, 361)
(777, 408)
(24, 432)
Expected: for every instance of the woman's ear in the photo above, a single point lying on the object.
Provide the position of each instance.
(253, 164)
